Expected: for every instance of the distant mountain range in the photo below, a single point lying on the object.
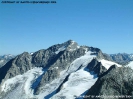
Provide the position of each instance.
(120, 58)
(67, 71)
(5, 58)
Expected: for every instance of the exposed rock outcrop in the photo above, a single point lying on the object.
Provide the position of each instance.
(96, 67)
(117, 81)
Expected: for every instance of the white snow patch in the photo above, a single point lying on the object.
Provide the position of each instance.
(54, 68)
(78, 82)
(73, 49)
(107, 64)
(26, 80)
(51, 87)
(83, 60)
(131, 56)
(60, 49)
(78, 46)
(86, 50)
(130, 64)
(73, 42)
(31, 53)
(1, 61)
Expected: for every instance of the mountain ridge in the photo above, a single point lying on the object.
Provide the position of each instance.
(54, 72)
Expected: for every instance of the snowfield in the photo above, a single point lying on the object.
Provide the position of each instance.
(107, 63)
(1, 61)
(81, 61)
(22, 83)
(78, 83)
(83, 79)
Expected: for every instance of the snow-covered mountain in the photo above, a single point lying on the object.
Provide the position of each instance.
(121, 58)
(63, 71)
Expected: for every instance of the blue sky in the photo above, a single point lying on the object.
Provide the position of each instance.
(106, 24)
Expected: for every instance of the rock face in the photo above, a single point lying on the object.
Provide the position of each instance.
(107, 57)
(19, 65)
(96, 67)
(48, 77)
(61, 63)
(116, 81)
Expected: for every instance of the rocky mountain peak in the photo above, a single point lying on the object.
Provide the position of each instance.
(70, 45)
(58, 71)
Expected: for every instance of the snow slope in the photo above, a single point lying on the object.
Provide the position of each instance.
(107, 63)
(81, 61)
(50, 89)
(1, 61)
(80, 80)
(130, 64)
(78, 83)
(23, 83)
